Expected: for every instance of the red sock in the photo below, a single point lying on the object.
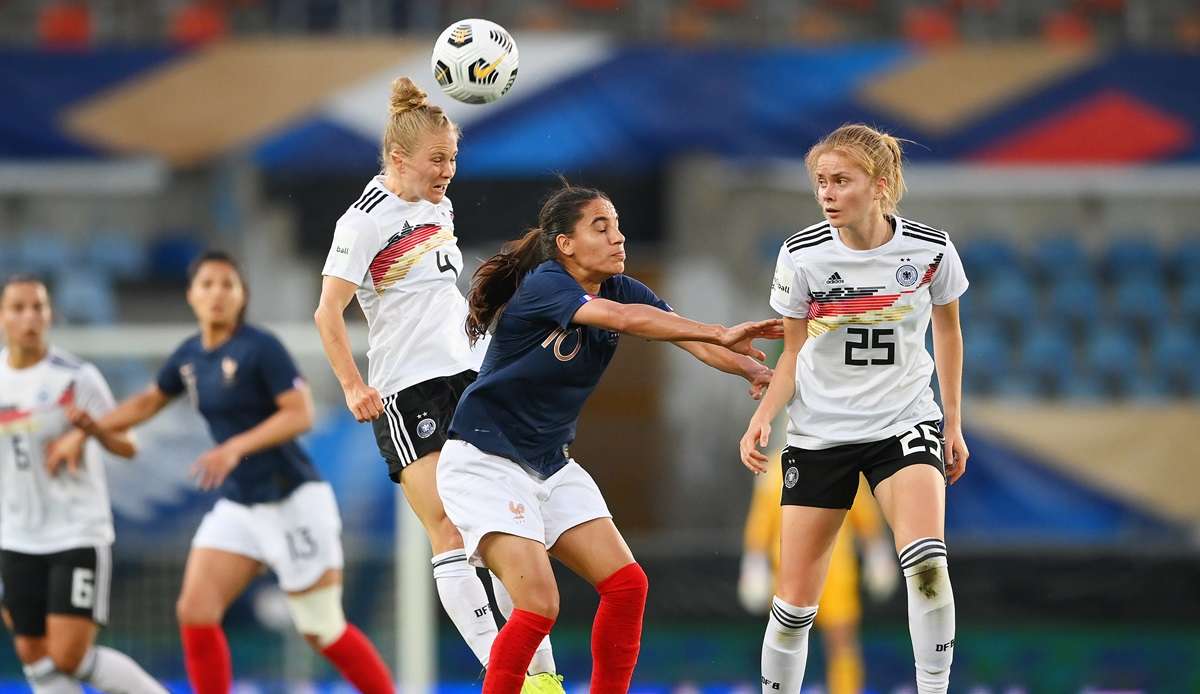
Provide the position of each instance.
(617, 629)
(358, 661)
(512, 650)
(206, 656)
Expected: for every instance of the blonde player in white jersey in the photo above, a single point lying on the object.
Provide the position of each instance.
(56, 528)
(395, 250)
(857, 292)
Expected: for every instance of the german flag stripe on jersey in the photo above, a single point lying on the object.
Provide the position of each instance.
(395, 261)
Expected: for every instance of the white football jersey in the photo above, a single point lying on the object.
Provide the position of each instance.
(405, 259)
(863, 374)
(43, 514)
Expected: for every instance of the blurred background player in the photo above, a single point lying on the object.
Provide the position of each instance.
(858, 292)
(275, 511)
(557, 303)
(396, 251)
(839, 611)
(56, 528)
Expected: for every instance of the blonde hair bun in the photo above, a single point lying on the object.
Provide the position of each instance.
(407, 96)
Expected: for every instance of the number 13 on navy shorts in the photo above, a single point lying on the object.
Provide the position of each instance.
(828, 478)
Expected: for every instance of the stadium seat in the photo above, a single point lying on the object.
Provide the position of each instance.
(1188, 303)
(84, 297)
(44, 252)
(986, 358)
(120, 255)
(1059, 258)
(1184, 260)
(990, 257)
(1131, 255)
(1075, 301)
(171, 255)
(1047, 356)
(1112, 356)
(1175, 352)
(1083, 387)
(1011, 300)
(1141, 302)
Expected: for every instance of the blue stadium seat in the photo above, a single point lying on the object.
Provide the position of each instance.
(1112, 356)
(1131, 255)
(1175, 353)
(1142, 303)
(1075, 301)
(990, 257)
(1188, 303)
(1012, 300)
(84, 297)
(171, 255)
(121, 255)
(1058, 258)
(44, 252)
(1018, 387)
(1184, 260)
(1047, 357)
(1083, 387)
(986, 359)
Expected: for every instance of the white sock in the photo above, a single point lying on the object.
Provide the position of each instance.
(113, 672)
(44, 678)
(785, 647)
(465, 600)
(543, 657)
(930, 612)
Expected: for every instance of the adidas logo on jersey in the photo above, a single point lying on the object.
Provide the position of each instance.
(835, 278)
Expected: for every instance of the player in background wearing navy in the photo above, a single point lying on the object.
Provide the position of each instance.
(56, 529)
(274, 510)
(559, 303)
(395, 250)
(857, 292)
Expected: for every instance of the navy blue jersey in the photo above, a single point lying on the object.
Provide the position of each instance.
(540, 368)
(234, 387)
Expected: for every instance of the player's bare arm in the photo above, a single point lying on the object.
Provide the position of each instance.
(948, 359)
(362, 400)
(779, 394)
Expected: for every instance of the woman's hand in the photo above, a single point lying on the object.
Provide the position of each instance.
(364, 402)
(757, 435)
(211, 469)
(66, 450)
(955, 453)
(740, 337)
(760, 377)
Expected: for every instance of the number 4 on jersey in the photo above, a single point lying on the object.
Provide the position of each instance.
(444, 264)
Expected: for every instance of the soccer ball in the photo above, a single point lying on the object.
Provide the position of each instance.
(475, 61)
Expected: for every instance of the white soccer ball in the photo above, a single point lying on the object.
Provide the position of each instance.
(475, 61)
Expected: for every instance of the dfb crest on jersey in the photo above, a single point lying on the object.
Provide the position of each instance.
(907, 275)
(426, 427)
(791, 477)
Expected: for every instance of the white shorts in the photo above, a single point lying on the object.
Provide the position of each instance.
(484, 493)
(299, 538)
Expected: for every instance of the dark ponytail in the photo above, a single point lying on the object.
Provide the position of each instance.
(497, 279)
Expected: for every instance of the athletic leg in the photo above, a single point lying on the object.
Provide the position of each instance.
(212, 580)
(524, 567)
(913, 502)
(318, 615)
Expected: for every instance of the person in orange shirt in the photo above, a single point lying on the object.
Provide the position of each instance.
(840, 609)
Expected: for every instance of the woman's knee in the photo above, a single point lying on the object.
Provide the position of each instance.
(68, 653)
(196, 607)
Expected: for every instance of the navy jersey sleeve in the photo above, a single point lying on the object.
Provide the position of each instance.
(631, 291)
(549, 296)
(169, 381)
(275, 366)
